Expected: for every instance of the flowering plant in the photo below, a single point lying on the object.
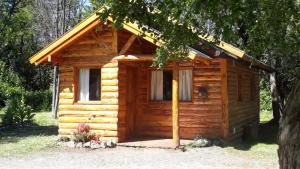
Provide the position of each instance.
(83, 134)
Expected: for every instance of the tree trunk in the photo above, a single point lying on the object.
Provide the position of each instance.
(289, 132)
(276, 99)
(54, 92)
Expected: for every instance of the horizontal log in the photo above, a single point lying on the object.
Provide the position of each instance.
(66, 101)
(103, 126)
(109, 70)
(89, 113)
(109, 95)
(101, 133)
(111, 65)
(66, 95)
(109, 88)
(88, 120)
(109, 76)
(109, 82)
(88, 107)
(103, 101)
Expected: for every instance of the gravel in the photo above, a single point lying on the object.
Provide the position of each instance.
(136, 158)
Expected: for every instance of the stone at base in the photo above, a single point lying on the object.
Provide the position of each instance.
(87, 145)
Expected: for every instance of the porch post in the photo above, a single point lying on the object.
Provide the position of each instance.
(175, 116)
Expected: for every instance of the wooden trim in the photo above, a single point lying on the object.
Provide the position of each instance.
(75, 84)
(224, 93)
(175, 106)
(128, 44)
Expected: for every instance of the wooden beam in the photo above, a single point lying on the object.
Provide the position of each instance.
(114, 44)
(175, 99)
(128, 44)
(144, 57)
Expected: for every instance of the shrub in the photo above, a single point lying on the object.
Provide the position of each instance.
(83, 134)
(39, 100)
(16, 112)
(265, 100)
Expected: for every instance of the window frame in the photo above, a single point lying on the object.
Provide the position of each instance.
(76, 85)
(169, 101)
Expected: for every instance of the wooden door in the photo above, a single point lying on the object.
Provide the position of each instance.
(131, 100)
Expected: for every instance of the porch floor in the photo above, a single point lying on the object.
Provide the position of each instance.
(152, 143)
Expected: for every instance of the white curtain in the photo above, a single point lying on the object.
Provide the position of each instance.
(84, 82)
(185, 85)
(157, 85)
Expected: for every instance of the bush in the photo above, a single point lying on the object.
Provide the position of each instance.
(38, 100)
(265, 100)
(83, 134)
(16, 112)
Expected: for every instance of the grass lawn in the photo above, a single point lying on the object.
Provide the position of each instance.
(265, 116)
(43, 137)
(30, 139)
(266, 144)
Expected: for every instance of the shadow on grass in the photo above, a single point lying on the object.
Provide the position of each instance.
(267, 134)
(17, 134)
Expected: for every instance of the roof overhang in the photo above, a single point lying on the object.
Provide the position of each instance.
(90, 23)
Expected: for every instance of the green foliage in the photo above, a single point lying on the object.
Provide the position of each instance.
(39, 100)
(268, 30)
(83, 134)
(265, 100)
(17, 44)
(16, 112)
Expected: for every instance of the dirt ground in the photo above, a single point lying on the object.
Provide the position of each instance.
(138, 158)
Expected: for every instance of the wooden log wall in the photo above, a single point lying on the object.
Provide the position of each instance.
(245, 110)
(102, 116)
(201, 116)
(97, 49)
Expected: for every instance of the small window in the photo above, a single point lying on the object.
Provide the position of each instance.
(89, 84)
(161, 85)
(239, 88)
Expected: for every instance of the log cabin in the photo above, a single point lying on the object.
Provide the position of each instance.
(106, 80)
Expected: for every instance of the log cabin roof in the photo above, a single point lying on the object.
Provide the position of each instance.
(94, 20)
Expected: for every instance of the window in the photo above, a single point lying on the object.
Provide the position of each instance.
(161, 85)
(89, 84)
(185, 85)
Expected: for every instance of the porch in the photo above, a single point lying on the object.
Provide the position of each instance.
(143, 122)
(152, 142)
